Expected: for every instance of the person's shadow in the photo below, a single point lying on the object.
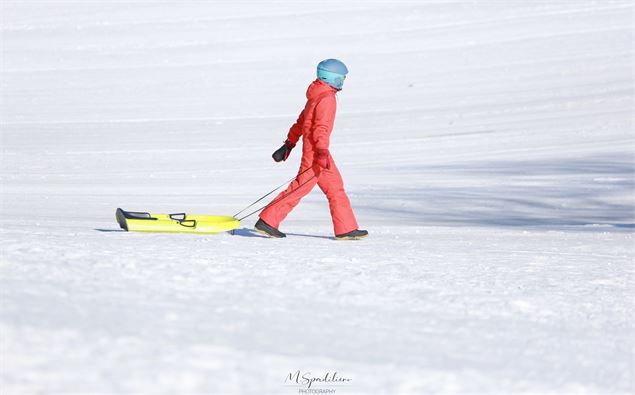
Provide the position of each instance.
(246, 232)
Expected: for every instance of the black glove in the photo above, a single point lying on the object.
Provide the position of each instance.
(283, 152)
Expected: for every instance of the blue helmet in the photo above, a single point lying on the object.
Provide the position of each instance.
(333, 72)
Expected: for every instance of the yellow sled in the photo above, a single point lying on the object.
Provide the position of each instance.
(174, 223)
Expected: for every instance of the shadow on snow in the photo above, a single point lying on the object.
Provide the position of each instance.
(595, 192)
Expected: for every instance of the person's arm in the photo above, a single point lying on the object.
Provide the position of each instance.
(296, 130)
(282, 153)
(324, 119)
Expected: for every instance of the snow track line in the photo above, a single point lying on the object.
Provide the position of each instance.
(499, 21)
(179, 21)
(200, 21)
(146, 120)
(423, 50)
(580, 98)
(502, 153)
(625, 29)
(581, 56)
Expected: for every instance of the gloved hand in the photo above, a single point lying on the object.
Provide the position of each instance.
(283, 152)
(322, 158)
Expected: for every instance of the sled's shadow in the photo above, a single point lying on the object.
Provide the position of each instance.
(246, 232)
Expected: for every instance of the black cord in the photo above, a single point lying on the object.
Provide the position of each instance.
(278, 199)
(272, 191)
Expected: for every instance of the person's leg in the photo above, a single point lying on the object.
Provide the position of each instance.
(282, 205)
(331, 183)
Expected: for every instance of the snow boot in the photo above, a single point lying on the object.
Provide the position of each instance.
(264, 228)
(353, 235)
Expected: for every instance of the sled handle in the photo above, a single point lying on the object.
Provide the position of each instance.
(135, 214)
(188, 223)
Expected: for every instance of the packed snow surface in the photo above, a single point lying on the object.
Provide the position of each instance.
(486, 146)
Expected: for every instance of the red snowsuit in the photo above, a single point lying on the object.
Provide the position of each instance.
(314, 124)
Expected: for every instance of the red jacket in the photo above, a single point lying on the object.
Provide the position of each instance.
(315, 122)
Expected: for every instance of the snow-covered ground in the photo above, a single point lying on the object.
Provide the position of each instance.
(488, 147)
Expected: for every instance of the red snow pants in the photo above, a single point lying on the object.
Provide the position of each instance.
(330, 182)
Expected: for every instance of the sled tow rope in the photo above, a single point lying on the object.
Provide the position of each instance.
(272, 191)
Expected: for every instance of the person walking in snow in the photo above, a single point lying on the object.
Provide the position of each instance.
(317, 166)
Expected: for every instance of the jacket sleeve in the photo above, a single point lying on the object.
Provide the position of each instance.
(324, 119)
(296, 130)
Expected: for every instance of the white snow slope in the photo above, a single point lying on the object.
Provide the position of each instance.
(487, 147)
